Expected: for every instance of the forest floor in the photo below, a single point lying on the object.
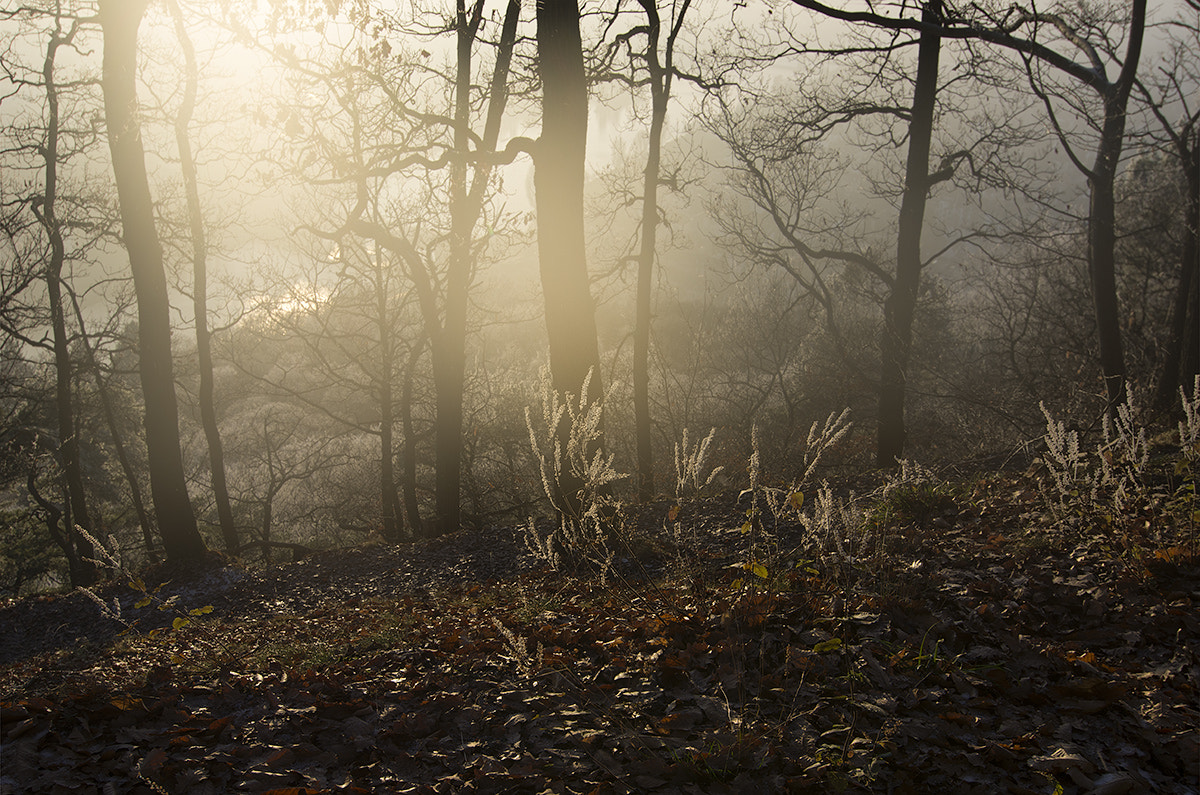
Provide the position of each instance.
(969, 642)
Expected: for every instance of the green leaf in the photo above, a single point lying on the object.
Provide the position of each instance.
(143, 602)
(180, 623)
(759, 570)
(833, 644)
(745, 528)
(796, 499)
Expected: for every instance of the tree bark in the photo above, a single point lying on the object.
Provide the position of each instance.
(901, 303)
(387, 368)
(82, 568)
(205, 396)
(110, 419)
(412, 510)
(449, 341)
(1179, 362)
(119, 20)
(1102, 236)
(558, 188)
(660, 95)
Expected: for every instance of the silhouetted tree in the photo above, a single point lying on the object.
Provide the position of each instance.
(119, 20)
(558, 184)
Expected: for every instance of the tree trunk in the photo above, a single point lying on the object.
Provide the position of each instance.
(120, 20)
(82, 569)
(205, 397)
(660, 94)
(1102, 234)
(900, 306)
(387, 367)
(449, 341)
(558, 187)
(412, 511)
(1179, 368)
(110, 419)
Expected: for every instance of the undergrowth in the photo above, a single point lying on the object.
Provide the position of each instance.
(816, 565)
(1130, 490)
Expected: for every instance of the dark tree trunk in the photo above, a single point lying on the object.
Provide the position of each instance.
(82, 569)
(120, 20)
(1101, 233)
(412, 511)
(387, 368)
(1179, 362)
(205, 397)
(558, 185)
(449, 341)
(900, 306)
(110, 419)
(660, 95)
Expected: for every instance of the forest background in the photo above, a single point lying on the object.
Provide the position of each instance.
(293, 273)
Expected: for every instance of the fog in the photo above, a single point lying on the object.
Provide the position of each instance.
(335, 171)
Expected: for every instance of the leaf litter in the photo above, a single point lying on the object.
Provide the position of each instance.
(979, 656)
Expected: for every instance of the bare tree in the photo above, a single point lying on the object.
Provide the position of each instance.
(781, 170)
(1044, 39)
(660, 68)
(119, 20)
(559, 184)
(208, 414)
(83, 568)
(1169, 92)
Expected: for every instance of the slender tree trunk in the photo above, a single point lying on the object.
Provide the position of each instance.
(120, 20)
(1102, 234)
(205, 397)
(267, 518)
(110, 419)
(449, 340)
(558, 187)
(82, 569)
(412, 511)
(900, 307)
(387, 368)
(1101, 252)
(660, 95)
(1179, 361)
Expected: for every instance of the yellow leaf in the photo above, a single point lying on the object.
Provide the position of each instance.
(180, 623)
(833, 644)
(176, 659)
(145, 600)
(746, 527)
(759, 570)
(796, 499)
(199, 611)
